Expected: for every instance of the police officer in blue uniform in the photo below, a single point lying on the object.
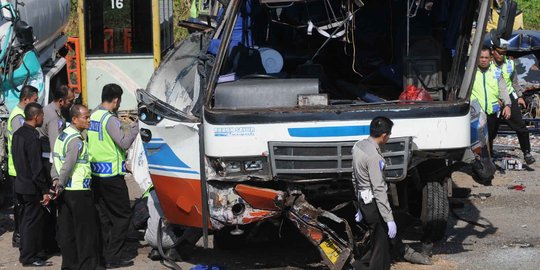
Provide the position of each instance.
(505, 69)
(371, 188)
(374, 207)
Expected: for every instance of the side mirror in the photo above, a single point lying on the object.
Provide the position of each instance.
(203, 15)
(506, 19)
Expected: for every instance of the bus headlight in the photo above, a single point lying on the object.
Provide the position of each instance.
(240, 166)
(253, 166)
(233, 167)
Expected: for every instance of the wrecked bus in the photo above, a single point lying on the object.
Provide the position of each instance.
(235, 137)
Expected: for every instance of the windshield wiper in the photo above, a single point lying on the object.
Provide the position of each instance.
(159, 107)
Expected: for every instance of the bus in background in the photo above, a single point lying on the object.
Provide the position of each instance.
(122, 42)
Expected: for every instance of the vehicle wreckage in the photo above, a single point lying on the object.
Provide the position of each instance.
(236, 135)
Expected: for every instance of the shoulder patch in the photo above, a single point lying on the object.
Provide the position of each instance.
(498, 73)
(95, 126)
(62, 136)
(79, 145)
(509, 66)
(21, 121)
(60, 123)
(381, 164)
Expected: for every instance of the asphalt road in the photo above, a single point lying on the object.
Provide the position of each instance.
(510, 238)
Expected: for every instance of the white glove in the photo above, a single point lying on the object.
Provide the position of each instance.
(358, 217)
(392, 229)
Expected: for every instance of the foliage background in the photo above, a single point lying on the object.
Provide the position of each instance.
(531, 13)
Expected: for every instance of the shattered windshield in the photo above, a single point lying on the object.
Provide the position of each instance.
(323, 52)
(176, 82)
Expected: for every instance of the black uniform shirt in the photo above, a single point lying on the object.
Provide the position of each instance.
(26, 148)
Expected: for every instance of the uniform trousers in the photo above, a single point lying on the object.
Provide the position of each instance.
(378, 255)
(31, 214)
(517, 124)
(49, 226)
(112, 198)
(15, 240)
(78, 233)
(492, 125)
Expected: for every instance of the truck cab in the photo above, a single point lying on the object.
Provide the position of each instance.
(31, 46)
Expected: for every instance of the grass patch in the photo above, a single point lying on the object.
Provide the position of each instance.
(181, 12)
(531, 13)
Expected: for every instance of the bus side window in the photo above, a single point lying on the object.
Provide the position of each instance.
(118, 27)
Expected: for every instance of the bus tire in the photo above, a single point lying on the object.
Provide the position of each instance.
(435, 208)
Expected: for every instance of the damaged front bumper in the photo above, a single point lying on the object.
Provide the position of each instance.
(239, 204)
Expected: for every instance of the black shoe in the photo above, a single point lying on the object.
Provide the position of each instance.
(47, 253)
(415, 257)
(529, 159)
(427, 248)
(53, 251)
(185, 249)
(16, 240)
(154, 255)
(172, 254)
(38, 263)
(118, 264)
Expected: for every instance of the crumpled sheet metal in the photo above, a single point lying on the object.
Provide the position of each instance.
(335, 249)
(220, 204)
(528, 72)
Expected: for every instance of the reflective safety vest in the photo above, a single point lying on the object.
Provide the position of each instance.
(505, 70)
(81, 176)
(486, 90)
(16, 111)
(107, 159)
(194, 9)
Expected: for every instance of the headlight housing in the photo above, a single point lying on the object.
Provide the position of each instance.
(255, 166)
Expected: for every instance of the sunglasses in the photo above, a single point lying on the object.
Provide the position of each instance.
(500, 51)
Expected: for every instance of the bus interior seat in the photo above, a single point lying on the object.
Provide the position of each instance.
(263, 93)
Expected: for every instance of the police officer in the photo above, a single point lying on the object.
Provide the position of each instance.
(77, 218)
(107, 145)
(506, 68)
(29, 94)
(375, 210)
(53, 124)
(371, 188)
(489, 89)
(30, 186)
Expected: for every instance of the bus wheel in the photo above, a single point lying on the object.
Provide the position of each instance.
(435, 210)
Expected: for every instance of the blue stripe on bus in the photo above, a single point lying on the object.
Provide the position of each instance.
(162, 154)
(342, 131)
(172, 170)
